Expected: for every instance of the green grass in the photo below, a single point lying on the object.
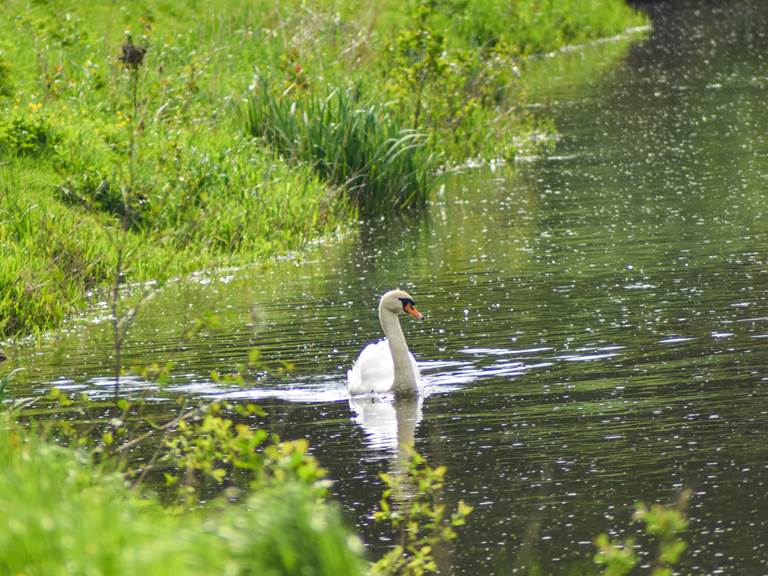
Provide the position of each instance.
(222, 201)
(202, 190)
(536, 26)
(62, 516)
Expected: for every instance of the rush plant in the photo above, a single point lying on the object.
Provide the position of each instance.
(351, 144)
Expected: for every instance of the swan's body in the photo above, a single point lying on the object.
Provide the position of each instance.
(388, 365)
(374, 370)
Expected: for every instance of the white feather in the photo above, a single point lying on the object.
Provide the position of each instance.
(374, 371)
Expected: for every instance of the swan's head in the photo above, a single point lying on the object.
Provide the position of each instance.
(399, 302)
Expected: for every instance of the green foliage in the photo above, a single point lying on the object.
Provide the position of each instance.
(418, 59)
(457, 94)
(213, 446)
(357, 146)
(422, 520)
(663, 525)
(65, 517)
(618, 558)
(6, 83)
(27, 135)
(284, 531)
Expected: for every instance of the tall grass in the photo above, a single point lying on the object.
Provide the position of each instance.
(51, 255)
(360, 147)
(61, 516)
(218, 201)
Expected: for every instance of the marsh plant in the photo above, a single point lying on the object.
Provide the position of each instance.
(357, 146)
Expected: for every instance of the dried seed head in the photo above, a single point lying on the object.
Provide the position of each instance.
(132, 55)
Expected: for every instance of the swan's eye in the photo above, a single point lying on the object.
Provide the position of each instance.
(407, 302)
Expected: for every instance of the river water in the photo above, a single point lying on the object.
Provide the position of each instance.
(596, 327)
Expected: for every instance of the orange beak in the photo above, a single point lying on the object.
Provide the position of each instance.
(411, 309)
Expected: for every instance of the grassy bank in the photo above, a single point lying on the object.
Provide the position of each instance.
(252, 129)
(64, 516)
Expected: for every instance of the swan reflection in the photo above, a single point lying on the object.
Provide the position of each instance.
(389, 423)
(390, 426)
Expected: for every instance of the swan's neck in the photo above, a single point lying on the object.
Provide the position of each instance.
(405, 379)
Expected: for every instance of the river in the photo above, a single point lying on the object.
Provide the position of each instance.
(596, 318)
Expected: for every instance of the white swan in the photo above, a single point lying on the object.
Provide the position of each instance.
(387, 365)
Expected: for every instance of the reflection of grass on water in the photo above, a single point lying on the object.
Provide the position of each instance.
(583, 64)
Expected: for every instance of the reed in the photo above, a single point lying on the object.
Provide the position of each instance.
(351, 144)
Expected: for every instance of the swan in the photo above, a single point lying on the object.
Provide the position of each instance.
(387, 365)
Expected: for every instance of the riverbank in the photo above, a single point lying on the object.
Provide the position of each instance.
(66, 515)
(142, 170)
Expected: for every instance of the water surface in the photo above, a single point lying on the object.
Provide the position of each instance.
(596, 326)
